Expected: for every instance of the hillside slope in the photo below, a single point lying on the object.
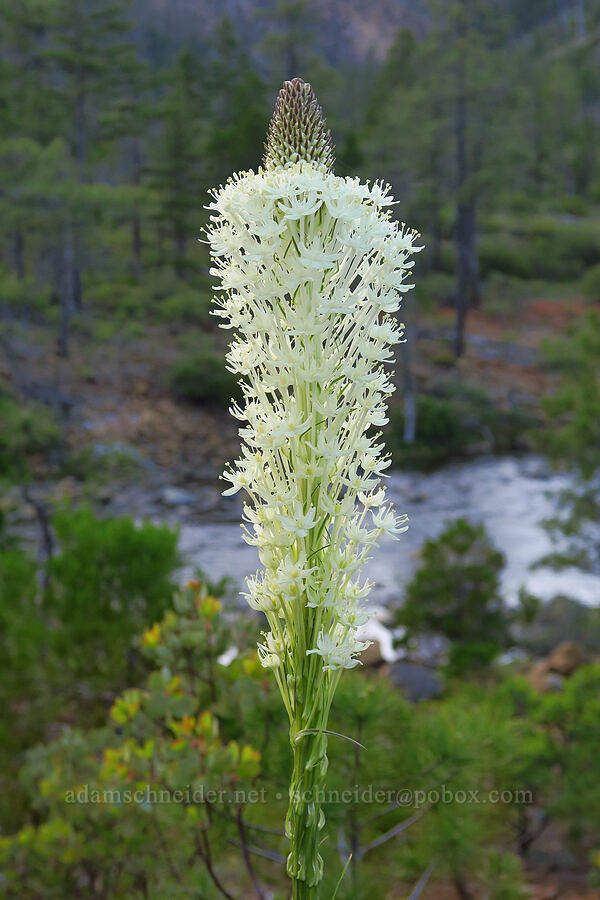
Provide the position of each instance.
(348, 30)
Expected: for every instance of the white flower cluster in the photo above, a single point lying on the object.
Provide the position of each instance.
(311, 266)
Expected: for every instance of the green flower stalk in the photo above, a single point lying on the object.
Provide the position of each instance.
(310, 267)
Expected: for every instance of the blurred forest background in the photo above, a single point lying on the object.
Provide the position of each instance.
(116, 118)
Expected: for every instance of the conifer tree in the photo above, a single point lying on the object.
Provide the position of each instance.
(27, 124)
(176, 171)
(90, 51)
(237, 113)
(291, 37)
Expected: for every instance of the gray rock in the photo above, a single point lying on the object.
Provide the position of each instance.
(174, 496)
(430, 650)
(416, 682)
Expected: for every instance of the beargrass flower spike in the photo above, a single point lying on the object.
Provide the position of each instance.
(310, 269)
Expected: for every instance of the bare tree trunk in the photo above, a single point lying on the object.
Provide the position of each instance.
(408, 381)
(353, 815)
(77, 285)
(43, 518)
(81, 156)
(136, 224)
(435, 229)
(588, 166)
(460, 128)
(538, 143)
(18, 253)
(467, 292)
(136, 243)
(579, 19)
(80, 129)
(67, 289)
(526, 835)
(462, 889)
(246, 855)
(180, 246)
(435, 206)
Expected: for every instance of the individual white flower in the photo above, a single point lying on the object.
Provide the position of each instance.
(345, 206)
(335, 506)
(296, 207)
(374, 499)
(355, 591)
(338, 649)
(388, 523)
(242, 478)
(296, 522)
(356, 533)
(260, 595)
(352, 616)
(291, 576)
(271, 652)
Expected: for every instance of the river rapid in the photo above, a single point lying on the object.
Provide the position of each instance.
(509, 495)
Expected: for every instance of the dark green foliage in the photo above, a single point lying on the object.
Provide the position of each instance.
(63, 649)
(499, 254)
(456, 593)
(540, 247)
(471, 765)
(573, 437)
(169, 301)
(204, 379)
(238, 144)
(427, 755)
(20, 626)
(214, 119)
(91, 56)
(440, 434)
(563, 619)
(563, 248)
(197, 724)
(574, 408)
(457, 417)
(21, 636)
(574, 529)
(434, 289)
(126, 300)
(162, 738)
(109, 579)
(575, 715)
(103, 465)
(237, 107)
(113, 143)
(186, 306)
(561, 752)
(24, 432)
(573, 205)
(591, 283)
(176, 170)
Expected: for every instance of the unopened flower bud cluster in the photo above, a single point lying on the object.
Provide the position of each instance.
(311, 266)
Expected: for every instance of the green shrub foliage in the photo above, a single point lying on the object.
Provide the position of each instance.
(456, 593)
(194, 762)
(109, 578)
(24, 432)
(204, 379)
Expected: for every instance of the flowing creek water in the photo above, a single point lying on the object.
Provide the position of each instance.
(509, 495)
